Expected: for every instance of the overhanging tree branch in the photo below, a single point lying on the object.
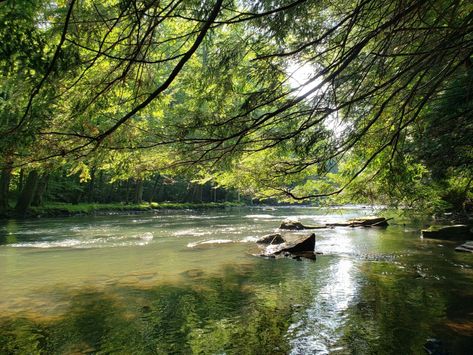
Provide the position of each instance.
(171, 77)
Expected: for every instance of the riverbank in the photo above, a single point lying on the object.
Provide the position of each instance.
(91, 209)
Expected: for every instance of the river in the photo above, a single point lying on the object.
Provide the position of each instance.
(187, 282)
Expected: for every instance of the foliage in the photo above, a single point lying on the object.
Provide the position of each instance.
(208, 91)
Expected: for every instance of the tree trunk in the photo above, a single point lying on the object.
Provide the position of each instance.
(111, 189)
(27, 193)
(127, 192)
(139, 191)
(5, 187)
(195, 192)
(20, 181)
(91, 187)
(101, 188)
(159, 193)
(153, 192)
(40, 189)
(213, 193)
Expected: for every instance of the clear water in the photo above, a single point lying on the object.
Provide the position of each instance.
(187, 283)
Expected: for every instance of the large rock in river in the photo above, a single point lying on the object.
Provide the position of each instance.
(297, 246)
(457, 231)
(271, 239)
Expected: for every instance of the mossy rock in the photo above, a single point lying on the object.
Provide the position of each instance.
(457, 231)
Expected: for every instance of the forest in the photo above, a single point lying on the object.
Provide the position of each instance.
(364, 101)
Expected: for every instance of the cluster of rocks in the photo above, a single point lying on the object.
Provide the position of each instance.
(297, 246)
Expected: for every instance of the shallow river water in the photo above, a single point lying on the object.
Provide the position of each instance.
(186, 282)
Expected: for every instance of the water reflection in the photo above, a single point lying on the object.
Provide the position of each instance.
(206, 315)
(319, 327)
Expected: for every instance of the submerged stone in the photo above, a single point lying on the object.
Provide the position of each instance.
(466, 247)
(434, 347)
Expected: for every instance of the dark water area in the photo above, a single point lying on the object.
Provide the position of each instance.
(187, 283)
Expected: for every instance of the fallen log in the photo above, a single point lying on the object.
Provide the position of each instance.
(369, 222)
(295, 225)
(356, 222)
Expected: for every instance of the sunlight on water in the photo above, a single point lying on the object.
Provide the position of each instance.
(97, 242)
(319, 329)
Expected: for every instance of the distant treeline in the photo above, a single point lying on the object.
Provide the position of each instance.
(33, 188)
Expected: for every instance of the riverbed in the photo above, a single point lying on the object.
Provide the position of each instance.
(187, 282)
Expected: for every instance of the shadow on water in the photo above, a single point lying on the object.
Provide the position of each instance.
(207, 314)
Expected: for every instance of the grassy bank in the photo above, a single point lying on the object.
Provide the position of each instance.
(67, 209)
